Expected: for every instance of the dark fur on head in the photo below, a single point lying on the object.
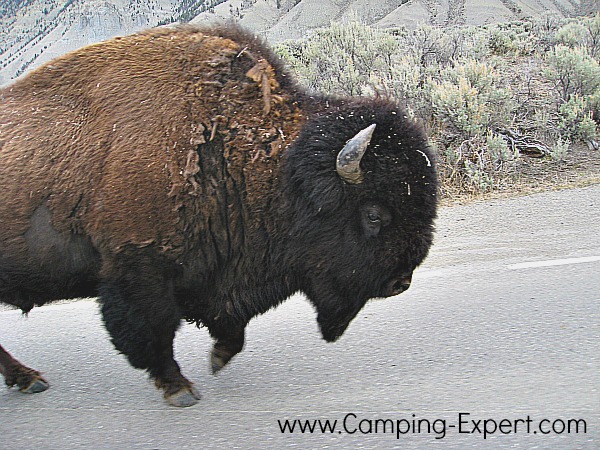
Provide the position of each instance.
(344, 265)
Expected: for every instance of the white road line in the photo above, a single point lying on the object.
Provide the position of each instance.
(554, 262)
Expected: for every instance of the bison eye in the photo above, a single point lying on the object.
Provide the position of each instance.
(373, 217)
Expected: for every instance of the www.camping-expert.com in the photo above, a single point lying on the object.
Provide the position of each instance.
(466, 423)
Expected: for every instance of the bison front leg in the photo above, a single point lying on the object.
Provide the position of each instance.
(229, 342)
(140, 314)
(28, 380)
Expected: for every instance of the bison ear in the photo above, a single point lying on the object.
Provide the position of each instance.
(348, 159)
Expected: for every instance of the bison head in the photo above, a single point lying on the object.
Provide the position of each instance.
(360, 203)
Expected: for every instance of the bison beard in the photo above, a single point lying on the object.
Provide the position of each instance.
(180, 174)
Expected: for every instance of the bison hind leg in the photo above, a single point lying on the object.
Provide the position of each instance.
(146, 339)
(27, 380)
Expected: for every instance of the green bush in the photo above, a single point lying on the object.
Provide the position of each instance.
(458, 106)
(575, 119)
(467, 99)
(574, 71)
(577, 78)
(343, 58)
(513, 39)
(583, 32)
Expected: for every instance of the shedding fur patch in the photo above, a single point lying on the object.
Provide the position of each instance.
(263, 74)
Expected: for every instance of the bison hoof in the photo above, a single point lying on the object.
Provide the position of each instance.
(184, 398)
(218, 360)
(37, 385)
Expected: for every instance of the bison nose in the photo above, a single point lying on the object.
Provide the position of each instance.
(397, 285)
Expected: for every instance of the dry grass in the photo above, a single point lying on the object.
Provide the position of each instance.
(581, 167)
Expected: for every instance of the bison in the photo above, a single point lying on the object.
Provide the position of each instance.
(181, 174)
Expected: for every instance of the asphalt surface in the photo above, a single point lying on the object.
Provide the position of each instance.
(500, 329)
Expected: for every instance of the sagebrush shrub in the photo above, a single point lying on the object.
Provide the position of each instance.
(574, 71)
(540, 78)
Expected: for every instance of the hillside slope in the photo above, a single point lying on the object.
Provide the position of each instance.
(291, 19)
(35, 31)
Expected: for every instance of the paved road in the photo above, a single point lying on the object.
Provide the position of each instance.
(479, 336)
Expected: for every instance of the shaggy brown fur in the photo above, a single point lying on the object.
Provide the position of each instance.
(183, 87)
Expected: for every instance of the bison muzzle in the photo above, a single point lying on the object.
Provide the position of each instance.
(181, 174)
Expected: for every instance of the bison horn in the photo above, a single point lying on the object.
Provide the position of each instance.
(348, 160)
